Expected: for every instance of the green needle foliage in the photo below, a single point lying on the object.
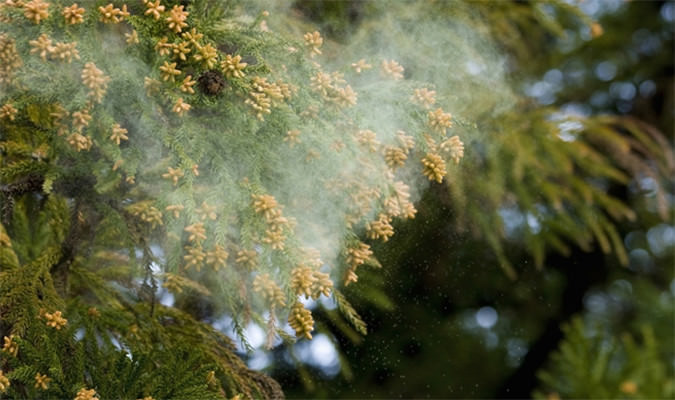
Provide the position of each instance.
(181, 151)
(588, 365)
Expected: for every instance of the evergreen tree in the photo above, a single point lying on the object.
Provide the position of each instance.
(163, 163)
(167, 165)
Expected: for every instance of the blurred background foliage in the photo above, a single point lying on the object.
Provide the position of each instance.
(547, 268)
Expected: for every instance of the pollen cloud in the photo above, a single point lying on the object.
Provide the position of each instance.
(257, 163)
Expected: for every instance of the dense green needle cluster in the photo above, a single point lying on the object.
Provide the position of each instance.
(162, 150)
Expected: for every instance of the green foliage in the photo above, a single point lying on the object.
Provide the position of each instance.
(111, 341)
(557, 189)
(589, 364)
(148, 152)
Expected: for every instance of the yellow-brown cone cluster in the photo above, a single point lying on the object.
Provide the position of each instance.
(309, 282)
(86, 394)
(269, 290)
(36, 10)
(277, 224)
(55, 320)
(301, 320)
(434, 167)
(94, 79)
(10, 346)
(356, 256)
(10, 61)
